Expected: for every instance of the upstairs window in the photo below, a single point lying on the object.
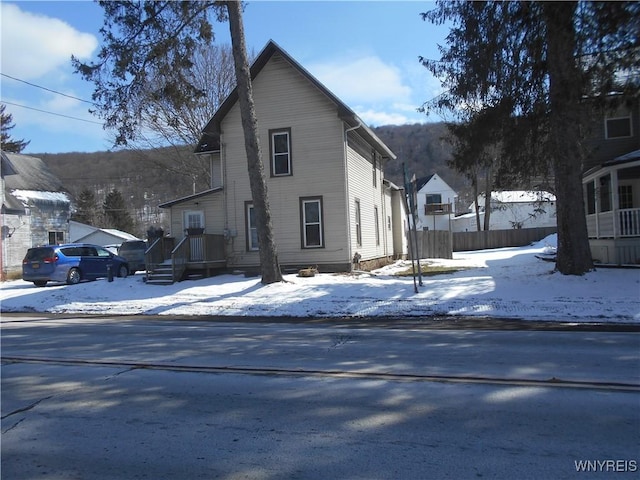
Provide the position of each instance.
(375, 169)
(280, 147)
(618, 127)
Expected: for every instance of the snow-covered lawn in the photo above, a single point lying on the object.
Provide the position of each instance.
(506, 282)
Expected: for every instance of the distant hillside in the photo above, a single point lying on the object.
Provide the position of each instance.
(422, 148)
(145, 183)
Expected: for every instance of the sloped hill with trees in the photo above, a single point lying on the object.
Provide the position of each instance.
(147, 178)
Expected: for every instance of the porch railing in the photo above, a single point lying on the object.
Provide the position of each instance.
(629, 222)
(437, 209)
(621, 223)
(180, 258)
(193, 251)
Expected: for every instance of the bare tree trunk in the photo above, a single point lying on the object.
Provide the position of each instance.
(269, 266)
(574, 253)
(488, 187)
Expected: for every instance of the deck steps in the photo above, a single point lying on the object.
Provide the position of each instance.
(161, 275)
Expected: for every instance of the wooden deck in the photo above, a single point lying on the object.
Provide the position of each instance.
(202, 255)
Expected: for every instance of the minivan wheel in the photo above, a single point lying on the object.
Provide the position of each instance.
(40, 283)
(123, 271)
(73, 277)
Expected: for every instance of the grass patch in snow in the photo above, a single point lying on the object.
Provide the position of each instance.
(430, 270)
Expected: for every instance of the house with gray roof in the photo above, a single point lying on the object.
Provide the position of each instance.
(35, 209)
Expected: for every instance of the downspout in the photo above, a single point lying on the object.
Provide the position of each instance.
(346, 196)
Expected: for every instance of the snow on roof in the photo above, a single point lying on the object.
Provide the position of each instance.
(53, 197)
(119, 233)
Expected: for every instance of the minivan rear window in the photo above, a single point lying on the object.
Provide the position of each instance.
(126, 246)
(38, 254)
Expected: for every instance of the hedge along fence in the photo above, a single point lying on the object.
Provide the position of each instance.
(442, 244)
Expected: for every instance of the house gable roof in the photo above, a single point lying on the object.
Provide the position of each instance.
(190, 198)
(210, 139)
(31, 173)
(28, 179)
(422, 181)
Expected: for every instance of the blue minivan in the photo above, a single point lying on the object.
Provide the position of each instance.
(71, 263)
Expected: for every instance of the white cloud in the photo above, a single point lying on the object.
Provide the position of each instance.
(35, 45)
(376, 118)
(366, 79)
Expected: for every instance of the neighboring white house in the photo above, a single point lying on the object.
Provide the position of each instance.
(436, 203)
(511, 209)
(83, 233)
(324, 170)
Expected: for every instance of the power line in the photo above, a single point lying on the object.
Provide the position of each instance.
(51, 113)
(47, 89)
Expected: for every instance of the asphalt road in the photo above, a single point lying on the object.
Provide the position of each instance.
(119, 398)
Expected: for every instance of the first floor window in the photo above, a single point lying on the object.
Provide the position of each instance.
(377, 224)
(605, 193)
(252, 229)
(56, 238)
(358, 224)
(193, 219)
(590, 194)
(625, 196)
(311, 222)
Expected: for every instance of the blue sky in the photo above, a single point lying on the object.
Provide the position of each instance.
(366, 52)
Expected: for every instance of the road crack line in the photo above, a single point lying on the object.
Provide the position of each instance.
(28, 407)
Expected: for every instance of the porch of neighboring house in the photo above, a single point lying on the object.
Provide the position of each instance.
(612, 194)
(197, 255)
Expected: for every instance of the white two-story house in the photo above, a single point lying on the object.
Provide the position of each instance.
(435, 204)
(328, 196)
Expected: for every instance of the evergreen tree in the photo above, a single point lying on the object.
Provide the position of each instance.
(86, 208)
(116, 214)
(6, 142)
(532, 64)
(130, 68)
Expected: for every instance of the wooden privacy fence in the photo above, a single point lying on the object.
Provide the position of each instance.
(463, 241)
(434, 244)
(442, 244)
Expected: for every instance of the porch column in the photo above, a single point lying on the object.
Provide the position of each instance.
(615, 202)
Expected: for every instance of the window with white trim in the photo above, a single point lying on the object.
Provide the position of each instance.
(377, 224)
(311, 222)
(625, 196)
(252, 229)
(617, 127)
(193, 219)
(358, 224)
(280, 147)
(56, 238)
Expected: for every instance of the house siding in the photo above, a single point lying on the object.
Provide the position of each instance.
(212, 207)
(601, 149)
(284, 99)
(360, 171)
